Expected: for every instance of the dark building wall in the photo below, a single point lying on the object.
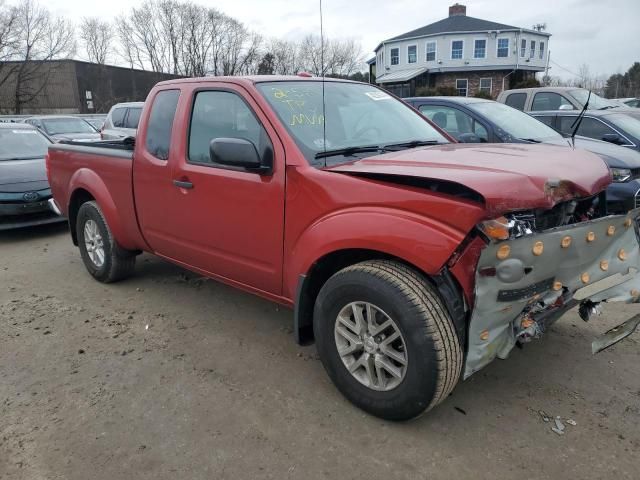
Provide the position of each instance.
(109, 85)
(61, 86)
(47, 87)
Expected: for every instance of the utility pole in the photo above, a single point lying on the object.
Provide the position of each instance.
(546, 69)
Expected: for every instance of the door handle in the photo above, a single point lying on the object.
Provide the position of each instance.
(182, 184)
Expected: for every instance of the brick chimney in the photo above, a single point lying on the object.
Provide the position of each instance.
(457, 9)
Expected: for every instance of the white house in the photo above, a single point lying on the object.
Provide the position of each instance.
(466, 53)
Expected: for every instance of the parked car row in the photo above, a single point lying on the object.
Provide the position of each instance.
(25, 196)
(474, 120)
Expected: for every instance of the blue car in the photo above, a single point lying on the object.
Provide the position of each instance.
(476, 120)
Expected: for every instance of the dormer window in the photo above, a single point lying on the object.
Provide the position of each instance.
(480, 49)
(395, 56)
(412, 54)
(431, 51)
(503, 47)
(457, 49)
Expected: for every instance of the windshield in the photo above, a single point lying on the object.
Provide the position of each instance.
(629, 123)
(357, 115)
(515, 123)
(595, 102)
(57, 126)
(22, 144)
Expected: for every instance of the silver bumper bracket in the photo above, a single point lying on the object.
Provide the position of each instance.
(616, 334)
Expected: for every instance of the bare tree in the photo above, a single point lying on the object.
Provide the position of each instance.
(8, 40)
(97, 39)
(37, 38)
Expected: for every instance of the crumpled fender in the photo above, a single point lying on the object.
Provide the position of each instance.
(421, 241)
(90, 181)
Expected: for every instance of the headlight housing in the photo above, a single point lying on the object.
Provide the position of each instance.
(620, 175)
(496, 229)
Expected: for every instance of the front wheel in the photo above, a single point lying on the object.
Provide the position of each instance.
(386, 339)
(105, 260)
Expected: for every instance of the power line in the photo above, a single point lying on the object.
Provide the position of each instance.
(565, 69)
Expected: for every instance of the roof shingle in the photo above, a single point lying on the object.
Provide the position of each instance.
(456, 23)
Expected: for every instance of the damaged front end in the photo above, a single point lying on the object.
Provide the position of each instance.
(536, 265)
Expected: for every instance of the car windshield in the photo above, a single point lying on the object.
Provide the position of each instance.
(357, 115)
(515, 123)
(22, 144)
(595, 102)
(57, 126)
(629, 123)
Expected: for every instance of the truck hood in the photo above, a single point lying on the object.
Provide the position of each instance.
(22, 175)
(509, 177)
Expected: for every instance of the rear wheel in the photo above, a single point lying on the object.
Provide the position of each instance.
(105, 260)
(386, 339)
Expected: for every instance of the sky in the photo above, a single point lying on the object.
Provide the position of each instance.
(601, 34)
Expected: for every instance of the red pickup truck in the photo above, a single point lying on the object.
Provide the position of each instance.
(412, 261)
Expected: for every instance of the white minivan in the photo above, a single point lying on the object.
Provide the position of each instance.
(122, 121)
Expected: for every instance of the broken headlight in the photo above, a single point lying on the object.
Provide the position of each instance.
(503, 228)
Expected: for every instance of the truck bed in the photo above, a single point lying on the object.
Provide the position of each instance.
(104, 167)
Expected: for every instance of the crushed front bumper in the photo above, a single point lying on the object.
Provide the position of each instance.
(523, 285)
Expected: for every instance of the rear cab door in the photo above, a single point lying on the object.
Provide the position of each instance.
(227, 222)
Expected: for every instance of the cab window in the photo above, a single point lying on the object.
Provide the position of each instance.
(516, 100)
(221, 114)
(453, 121)
(133, 118)
(117, 117)
(550, 101)
(589, 127)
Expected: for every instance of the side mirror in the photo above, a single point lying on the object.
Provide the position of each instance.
(612, 138)
(566, 107)
(237, 152)
(469, 138)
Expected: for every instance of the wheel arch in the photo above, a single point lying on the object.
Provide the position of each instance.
(310, 283)
(78, 197)
(86, 185)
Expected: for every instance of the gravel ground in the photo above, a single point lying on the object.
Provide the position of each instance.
(170, 375)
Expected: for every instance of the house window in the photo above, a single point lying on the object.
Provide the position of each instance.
(457, 47)
(503, 47)
(462, 86)
(486, 85)
(541, 50)
(431, 51)
(523, 47)
(480, 49)
(395, 56)
(533, 49)
(412, 54)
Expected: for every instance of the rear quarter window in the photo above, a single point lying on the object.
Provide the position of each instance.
(516, 100)
(160, 123)
(117, 117)
(133, 118)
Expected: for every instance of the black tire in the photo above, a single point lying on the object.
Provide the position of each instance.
(118, 263)
(433, 352)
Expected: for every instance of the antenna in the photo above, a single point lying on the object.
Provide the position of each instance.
(540, 27)
(324, 108)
